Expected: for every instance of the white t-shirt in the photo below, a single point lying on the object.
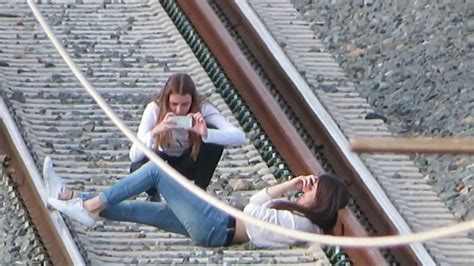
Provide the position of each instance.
(258, 208)
(224, 134)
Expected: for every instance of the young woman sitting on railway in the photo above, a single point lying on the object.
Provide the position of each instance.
(186, 214)
(194, 151)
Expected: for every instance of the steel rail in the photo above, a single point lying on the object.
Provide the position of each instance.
(275, 123)
(51, 227)
(320, 126)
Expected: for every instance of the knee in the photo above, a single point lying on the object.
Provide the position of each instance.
(155, 173)
(151, 169)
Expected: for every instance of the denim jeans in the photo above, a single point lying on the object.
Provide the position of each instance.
(199, 170)
(182, 213)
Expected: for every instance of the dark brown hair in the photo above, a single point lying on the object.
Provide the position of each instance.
(331, 195)
(182, 84)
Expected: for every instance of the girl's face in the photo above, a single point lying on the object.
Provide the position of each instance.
(180, 104)
(309, 194)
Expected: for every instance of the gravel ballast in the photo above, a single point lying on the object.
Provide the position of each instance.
(413, 61)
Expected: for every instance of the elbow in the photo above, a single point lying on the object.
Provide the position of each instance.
(242, 138)
(133, 155)
(238, 136)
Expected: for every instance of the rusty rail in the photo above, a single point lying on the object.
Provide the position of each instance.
(38, 212)
(51, 227)
(273, 120)
(316, 130)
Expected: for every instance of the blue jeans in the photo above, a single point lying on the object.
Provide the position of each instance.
(182, 213)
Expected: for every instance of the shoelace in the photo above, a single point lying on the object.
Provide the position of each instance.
(80, 202)
(60, 192)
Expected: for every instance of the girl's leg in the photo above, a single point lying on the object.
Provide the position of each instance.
(152, 193)
(205, 224)
(135, 183)
(145, 212)
(184, 164)
(206, 163)
(136, 165)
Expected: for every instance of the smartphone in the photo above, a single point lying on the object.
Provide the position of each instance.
(182, 121)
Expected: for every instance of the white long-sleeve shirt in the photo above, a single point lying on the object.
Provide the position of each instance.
(224, 134)
(258, 208)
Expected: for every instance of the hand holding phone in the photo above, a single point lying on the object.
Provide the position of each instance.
(199, 125)
(182, 121)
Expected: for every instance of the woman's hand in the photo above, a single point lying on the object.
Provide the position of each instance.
(304, 182)
(301, 183)
(165, 125)
(200, 126)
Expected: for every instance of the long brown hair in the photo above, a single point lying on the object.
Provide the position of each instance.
(331, 195)
(182, 84)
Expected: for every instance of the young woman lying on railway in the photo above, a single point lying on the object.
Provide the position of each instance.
(193, 150)
(186, 214)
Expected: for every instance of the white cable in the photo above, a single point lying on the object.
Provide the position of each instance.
(379, 241)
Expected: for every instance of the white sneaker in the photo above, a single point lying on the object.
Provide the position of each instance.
(53, 183)
(74, 209)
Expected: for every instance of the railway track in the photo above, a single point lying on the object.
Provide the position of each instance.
(20, 239)
(127, 50)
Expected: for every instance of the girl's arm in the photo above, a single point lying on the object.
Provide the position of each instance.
(300, 183)
(225, 133)
(149, 118)
(276, 191)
